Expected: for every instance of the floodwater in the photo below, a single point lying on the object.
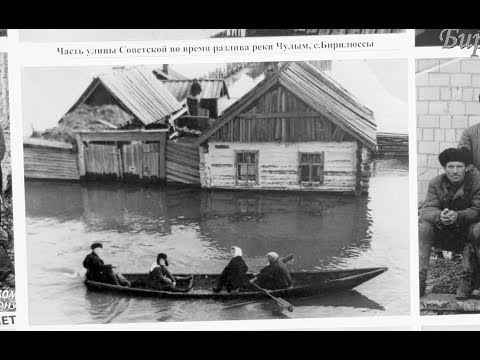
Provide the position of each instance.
(197, 228)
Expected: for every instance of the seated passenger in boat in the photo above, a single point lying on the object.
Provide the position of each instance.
(161, 279)
(98, 271)
(233, 276)
(274, 276)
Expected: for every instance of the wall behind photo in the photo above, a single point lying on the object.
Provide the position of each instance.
(447, 102)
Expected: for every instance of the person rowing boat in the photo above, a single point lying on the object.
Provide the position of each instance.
(274, 276)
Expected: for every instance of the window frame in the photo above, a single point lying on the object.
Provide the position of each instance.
(320, 164)
(256, 164)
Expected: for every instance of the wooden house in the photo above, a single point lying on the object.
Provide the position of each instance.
(138, 92)
(296, 130)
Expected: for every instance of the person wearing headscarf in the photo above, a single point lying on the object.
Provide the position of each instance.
(448, 219)
(275, 275)
(98, 271)
(233, 276)
(160, 277)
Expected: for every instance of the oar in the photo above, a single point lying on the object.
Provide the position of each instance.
(285, 305)
(287, 258)
(281, 302)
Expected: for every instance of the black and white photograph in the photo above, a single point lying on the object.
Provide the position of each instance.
(448, 159)
(3, 32)
(67, 35)
(7, 269)
(228, 191)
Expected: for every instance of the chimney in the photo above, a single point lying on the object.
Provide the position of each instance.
(165, 68)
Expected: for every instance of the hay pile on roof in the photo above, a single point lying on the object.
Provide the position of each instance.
(87, 118)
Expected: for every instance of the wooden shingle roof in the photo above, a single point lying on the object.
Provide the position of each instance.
(137, 89)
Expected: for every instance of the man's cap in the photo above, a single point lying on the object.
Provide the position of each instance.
(462, 155)
(96, 245)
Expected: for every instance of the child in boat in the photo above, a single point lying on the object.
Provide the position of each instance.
(233, 276)
(161, 279)
(98, 271)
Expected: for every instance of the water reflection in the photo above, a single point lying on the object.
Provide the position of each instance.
(196, 228)
(316, 228)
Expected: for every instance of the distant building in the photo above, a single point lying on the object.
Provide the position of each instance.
(231, 33)
(300, 32)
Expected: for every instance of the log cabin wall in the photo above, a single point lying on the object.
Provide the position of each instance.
(367, 159)
(278, 165)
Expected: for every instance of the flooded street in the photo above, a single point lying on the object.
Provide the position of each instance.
(196, 228)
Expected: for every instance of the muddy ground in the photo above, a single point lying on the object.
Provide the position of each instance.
(443, 278)
(444, 275)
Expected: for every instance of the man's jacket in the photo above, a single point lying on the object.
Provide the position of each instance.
(465, 200)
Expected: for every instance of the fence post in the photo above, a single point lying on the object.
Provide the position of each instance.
(163, 162)
(81, 155)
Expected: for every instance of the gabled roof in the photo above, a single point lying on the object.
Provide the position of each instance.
(211, 88)
(318, 91)
(138, 90)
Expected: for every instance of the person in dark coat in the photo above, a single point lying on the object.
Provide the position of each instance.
(193, 98)
(98, 271)
(449, 217)
(275, 275)
(160, 277)
(233, 276)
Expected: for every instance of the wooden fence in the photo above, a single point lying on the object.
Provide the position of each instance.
(183, 161)
(122, 155)
(49, 160)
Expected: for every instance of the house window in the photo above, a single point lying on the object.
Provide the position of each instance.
(247, 167)
(311, 168)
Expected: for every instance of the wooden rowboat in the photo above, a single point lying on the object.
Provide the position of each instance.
(305, 284)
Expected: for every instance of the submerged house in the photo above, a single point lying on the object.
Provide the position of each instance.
(135, 90)
(149, 98)
(296, 130)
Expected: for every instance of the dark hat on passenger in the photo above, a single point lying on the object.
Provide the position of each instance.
(162, 256)
(96, 245)
(453, 154)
